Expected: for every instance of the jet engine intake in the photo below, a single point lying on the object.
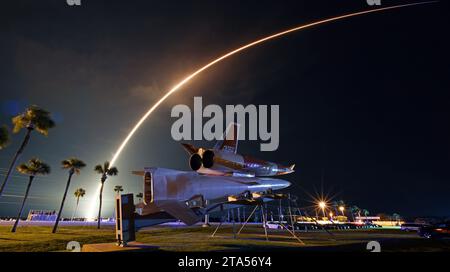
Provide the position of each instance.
(195, 162)
(208, 159)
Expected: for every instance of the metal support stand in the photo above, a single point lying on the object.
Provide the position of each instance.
(264, 222)
(206, 222)
(218, 226)
(246, 221)
(292, 233)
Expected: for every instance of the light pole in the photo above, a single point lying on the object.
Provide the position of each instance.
(341, 208)
(322, 206)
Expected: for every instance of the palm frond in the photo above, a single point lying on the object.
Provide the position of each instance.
(19, 122)
(66, 164)
(113, 171)
(73, 163)
(34, 117)
(80, 192)
(99, 169)
(34, 167)
(118, 188)
(23, 169)
(106, 166)
(78, 164)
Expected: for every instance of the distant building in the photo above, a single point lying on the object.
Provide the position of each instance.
(367, 218)
(41, 215)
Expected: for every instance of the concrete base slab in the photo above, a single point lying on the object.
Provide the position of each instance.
(113, 247)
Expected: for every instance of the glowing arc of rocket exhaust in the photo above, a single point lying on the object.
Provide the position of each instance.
(187, 79)
(229, 54)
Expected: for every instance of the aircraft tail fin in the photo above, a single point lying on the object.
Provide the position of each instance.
(230, 139)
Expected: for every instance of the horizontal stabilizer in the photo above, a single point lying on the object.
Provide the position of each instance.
(180, 211)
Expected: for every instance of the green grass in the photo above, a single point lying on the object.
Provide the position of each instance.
(40, 239)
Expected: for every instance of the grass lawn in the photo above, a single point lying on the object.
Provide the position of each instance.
(40, 239)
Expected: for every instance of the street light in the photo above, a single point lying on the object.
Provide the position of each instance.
(322, 206)
(341, 208)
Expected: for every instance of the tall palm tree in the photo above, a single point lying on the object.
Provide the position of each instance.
(33, 168)
(79, 193)
(105, 170)
(34, 118)
(4, 137)
(365, 213)
(118, 189)
(74, 166)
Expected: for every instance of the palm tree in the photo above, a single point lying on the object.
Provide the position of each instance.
(74, 166)
(4, 137)
(34, 118)
(365, 213)
(33, 168)
(105, 170)
(355, 210)
(118, 189)
(140, 196)
(397, 218)
(79, 193)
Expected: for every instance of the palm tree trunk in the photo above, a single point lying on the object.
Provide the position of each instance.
(23, 204)
(16, 156)
(55, 227)
(100, 206)
(76, 209)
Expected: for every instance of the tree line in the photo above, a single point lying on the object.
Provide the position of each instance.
(38, 120)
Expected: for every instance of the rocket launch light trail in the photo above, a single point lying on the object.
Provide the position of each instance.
(231, 53)
(271, 37)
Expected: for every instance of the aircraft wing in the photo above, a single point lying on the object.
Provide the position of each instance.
(180, 211)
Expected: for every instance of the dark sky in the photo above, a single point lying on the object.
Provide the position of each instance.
(364, 100)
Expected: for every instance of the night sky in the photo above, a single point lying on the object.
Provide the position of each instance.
(364, 102)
